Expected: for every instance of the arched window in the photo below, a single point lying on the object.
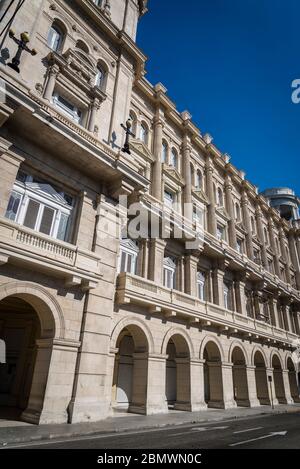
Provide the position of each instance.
(82, 46)
(164, 152)
(144, 133)
(134, 121)
(199, 180)
(55, 38)
(174, 158)
(100, 77)
(220, 201)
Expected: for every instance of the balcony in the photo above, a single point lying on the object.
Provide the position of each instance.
(27, 248)
(158, 299)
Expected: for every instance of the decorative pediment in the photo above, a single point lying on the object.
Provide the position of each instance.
(240, 227)
(174, 174)
(222, 213)
(141, 149)
(200, 195)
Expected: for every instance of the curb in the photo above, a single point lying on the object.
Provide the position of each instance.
(72, 434)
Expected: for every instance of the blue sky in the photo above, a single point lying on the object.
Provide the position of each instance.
(231, 64)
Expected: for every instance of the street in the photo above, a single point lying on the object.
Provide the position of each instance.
(270, 432)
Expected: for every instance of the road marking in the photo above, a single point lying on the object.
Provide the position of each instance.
(260, 438)
(248, 430)
(204, 429)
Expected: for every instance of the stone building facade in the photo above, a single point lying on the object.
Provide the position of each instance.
(204, 312)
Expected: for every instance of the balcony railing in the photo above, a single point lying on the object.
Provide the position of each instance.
(77, 266)
(157, 298)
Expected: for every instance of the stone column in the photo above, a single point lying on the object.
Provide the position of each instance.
(191, 263)
(52, 383)
(274, 247)
(284, 255)
(274, 312)
(211, 209)
(157, 150)
(186, 156)
(140, 380)
(294, 257)
(287, 387)
(197, 385)
(271, 386)
(144, 258)
(53, 72)
(251, 379)
(228, 391)
(95, 105)
(183, 384)
(10, 165)
(230, 209)
(156, 259)
(247, 222)
(218, 286)
(156, 402)
(260, 232)
(240, 296)
(285, 309)
(298, 242)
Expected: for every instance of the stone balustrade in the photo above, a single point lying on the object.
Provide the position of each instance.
(137, 290)
(43, 253)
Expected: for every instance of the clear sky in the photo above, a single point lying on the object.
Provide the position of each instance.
(231, 64)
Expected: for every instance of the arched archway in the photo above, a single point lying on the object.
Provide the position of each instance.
(261, 379)
(239, 375)
(129, 390)
(25, 319)
(293, 380)
(213, 381)
(278, 380)
(178, 379)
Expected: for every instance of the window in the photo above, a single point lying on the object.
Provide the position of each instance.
(174, 158)
(220, 233)
(192, 175)
(55, 38)
(201, 278)
(257, 256)
(220, 201)
(40, 207)
(13, 206)
(100, 77)
(198, 215)
(169, 272)
(199, 180)
(144, 133)
(67, 108)
(164, 152)
(128, 256)
(266, 236)
(271, 266)
(98, 2)
(169, 198)
(133, 118)
(239, 246)
(226, 295)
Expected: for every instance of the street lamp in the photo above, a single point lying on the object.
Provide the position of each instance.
(22, 46)
(127, 128)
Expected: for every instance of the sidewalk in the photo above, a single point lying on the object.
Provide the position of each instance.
(12, 432)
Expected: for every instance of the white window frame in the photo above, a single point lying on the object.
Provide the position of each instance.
(59, 38)
(169, 201)
(27, 193)
(128, 248)
(201, 281)
(221, 229)
(76, 115)
(169, 267)
(226, 292)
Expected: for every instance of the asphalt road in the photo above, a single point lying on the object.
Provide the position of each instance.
(272, 432)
